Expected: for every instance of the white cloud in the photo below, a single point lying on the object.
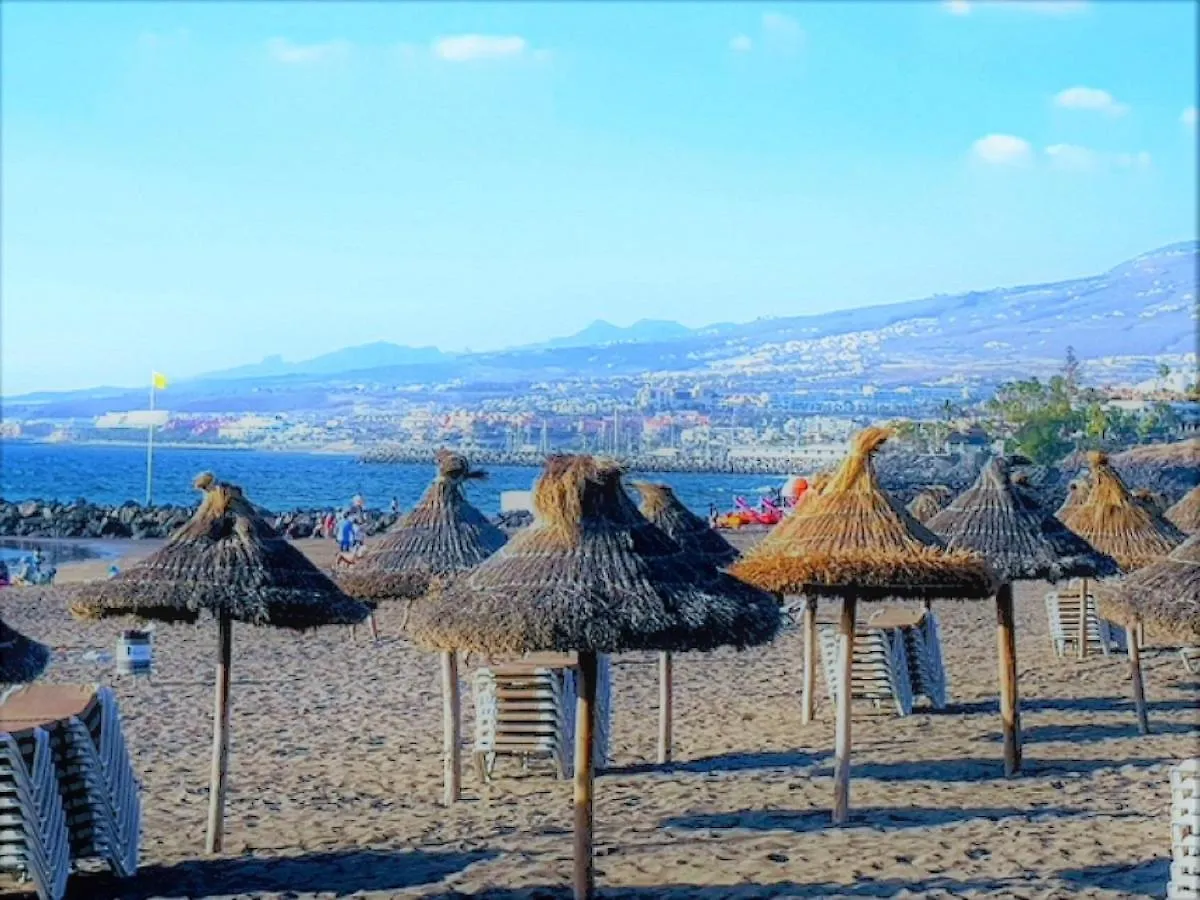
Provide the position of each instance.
(957, 7)
(1073, 158)
(1002, 150)
(1040, 7)
(782, 32)
(1092, 99)
(741, 44)
(1188, 117)
(469, 47)
(284, 51)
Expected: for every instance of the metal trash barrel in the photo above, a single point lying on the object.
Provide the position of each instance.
(135, 652)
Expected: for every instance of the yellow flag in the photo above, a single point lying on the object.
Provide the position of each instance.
(159, 380)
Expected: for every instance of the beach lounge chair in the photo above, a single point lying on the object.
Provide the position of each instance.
(95, 779)
(1185, 831)
(881, 672)
(923, 647)
(33, 829)
(1062, 609)
(1191, 658)
(526, 708)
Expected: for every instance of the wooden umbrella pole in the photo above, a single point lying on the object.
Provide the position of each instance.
(1133, 639)
(809, 701)
(451, 735)
(841, 766)
(374, 626)
(666, 703)
(1083, 617)
(585, 711)
(1007, 653)
(220, 759)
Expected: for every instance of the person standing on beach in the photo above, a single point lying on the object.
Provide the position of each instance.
(346, 533)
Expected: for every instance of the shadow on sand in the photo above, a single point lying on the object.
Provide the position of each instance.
(952, 770)
(1143, 879)
(338, 873)
(725, 762)
(882, 818)
(1094, 731)
(1068, 704)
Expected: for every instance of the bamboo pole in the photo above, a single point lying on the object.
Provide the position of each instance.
(1083, 618)
(841, 766)
(809, 700)
(1009, 701)
(451, 736)
(666, 703)
(220, 758)
(1132, 639)
(584, 880)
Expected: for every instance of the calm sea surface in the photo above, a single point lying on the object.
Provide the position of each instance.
(279, 481)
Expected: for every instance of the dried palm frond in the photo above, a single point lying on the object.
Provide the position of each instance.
(664, 509)
(1164, 595)
(22, 659)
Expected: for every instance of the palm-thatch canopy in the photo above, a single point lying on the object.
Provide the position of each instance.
(1112, 521)
(1154, 502)
(591, 574)
(442, 535)
(1066, 543)
(22, 659)
(929, 502)
(1077, 492)
(1185, 515)
(992, 518)
(854, 540)
(227, 560)
(1164, 595)
(692, 533)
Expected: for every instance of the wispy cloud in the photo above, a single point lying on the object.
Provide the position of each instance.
(1039, 7)
(460, 48)
(1002, 150)
(1092, 99)
(777, 33)
(290, 53)
(1074, 158)
(1188, 117)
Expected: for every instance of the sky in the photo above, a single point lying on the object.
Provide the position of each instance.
(191, 186)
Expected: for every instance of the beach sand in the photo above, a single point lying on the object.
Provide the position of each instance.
(335, 774)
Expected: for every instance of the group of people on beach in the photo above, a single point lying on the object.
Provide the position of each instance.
(31, 569)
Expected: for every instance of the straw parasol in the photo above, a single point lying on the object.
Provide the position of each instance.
(1077, 492)
(854, 541)
(592, 575)
(663, 509)
(1185, 515)
(992, 518)
(1112, 521)
(929, 502)
(1165, 598)
(442, 535)
(227, 561)
(1065, 542)
(21, 659)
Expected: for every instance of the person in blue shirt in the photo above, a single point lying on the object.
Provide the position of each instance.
(346, 534)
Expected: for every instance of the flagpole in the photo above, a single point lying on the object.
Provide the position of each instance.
(150, 449)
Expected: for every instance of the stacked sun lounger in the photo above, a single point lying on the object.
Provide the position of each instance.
(1185, 831)
(95, 785)
(881, 671)
(34, 842)
(526, 708)
(1191, 658)
(1062, 609)
(923, 645)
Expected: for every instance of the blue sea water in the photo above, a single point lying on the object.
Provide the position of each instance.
(281, 481)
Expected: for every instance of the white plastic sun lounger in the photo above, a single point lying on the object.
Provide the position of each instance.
(33, 831)
(1062, 609)
(923, 645)
(1191, 658)
(1185, 831)
(881, 671)
(527, 709)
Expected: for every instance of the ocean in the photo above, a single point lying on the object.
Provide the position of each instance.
(282, 480)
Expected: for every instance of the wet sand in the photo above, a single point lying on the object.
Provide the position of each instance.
(335, 774)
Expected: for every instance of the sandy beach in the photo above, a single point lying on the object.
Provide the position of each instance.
(335, 773)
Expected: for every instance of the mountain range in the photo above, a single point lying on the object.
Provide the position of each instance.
(1119, 322)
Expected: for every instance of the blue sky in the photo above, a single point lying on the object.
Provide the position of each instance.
(192, 186)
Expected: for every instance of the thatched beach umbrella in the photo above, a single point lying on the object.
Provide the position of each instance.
(22, 659)
(1020, 540)
(442, 535)
(853, 541)
(1185, 515)
(227, 561)
(929, 502)
(663, 509)
(1164, 597)
(592, 575)
(1077, 492)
